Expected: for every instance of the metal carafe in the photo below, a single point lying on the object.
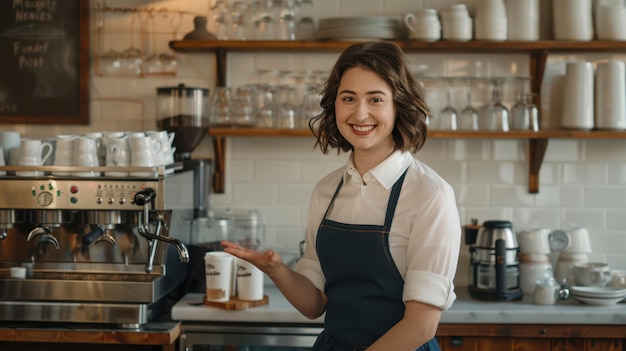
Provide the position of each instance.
(494, 263)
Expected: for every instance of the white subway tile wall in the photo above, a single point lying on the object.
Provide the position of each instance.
(582, 183)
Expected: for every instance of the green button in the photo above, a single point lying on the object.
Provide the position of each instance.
(42, 187)
(73, 200)
(50, 187)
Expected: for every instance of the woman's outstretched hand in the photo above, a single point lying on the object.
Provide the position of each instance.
(268, 261)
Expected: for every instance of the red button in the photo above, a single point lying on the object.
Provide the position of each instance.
(73, 189)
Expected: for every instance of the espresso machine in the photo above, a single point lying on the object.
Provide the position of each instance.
(97, 250)
(494, 261)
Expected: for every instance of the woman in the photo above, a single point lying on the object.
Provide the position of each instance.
(383, 232)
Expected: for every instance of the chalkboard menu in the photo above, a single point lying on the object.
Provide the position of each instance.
(44, 61)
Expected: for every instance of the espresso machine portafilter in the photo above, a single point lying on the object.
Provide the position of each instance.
(96, 249)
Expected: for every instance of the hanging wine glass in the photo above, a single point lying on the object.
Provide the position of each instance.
(468, 118)
(525, 114)
(132, 57)
(494, 115)
(448, 116)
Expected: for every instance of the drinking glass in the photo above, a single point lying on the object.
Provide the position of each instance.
(266, 109)
(468, 119)
(448, 116)
(220, 114)
(286, 109)
(525, 114)
(494, 115)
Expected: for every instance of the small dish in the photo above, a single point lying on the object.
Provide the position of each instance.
(594, 301)
(598, 292)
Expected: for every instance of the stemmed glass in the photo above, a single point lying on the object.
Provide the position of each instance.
(448, 115)
(468, 119)
(495, 116)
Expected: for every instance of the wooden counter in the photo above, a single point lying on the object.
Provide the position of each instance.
(155, 336)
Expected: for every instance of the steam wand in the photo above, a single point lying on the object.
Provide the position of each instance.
(144, 198)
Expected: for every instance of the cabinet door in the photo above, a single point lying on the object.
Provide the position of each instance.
(568, 345)
(459, 343)
(604, 345)
(528, 344)
(468, 343)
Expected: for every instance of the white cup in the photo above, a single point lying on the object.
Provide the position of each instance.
(33, 152)
(142, 154)
(249, 281)
(164, 156)
(578, 106)
(64, 153)
(618, 279)
(86, 155)
(118, 155)
(8, 141)
(592, 274)
(424, 25)
(610, 93)
(219, 274)
(18, 272)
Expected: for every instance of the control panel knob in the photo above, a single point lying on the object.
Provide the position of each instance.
(144, 196)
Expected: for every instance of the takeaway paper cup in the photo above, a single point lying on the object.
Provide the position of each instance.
(249, 281)
(219, 273)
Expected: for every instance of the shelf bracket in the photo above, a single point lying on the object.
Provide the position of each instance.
(219, 177)
(220, 65)
(536, 151)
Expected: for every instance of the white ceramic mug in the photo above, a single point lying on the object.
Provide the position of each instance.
(33, 152)
(86, 155)
(423, 25)
(64, 153)
(118, 155)
(163, 153)
(8, 141)
(592, 274)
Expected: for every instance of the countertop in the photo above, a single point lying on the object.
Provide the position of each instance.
(465, 310)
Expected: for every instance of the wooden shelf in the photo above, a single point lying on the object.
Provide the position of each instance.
(544, 134)
(412, 45)
(537, 51)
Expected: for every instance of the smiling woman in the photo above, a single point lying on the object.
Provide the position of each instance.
(383, 232)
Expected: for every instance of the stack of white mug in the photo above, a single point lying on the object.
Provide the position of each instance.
(91, 150)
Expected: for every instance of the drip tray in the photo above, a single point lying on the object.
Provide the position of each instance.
(124, 315)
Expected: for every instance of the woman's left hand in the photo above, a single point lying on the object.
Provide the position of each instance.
(268, 261)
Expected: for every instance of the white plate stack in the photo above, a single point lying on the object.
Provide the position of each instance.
(597, 296)
(360, 28)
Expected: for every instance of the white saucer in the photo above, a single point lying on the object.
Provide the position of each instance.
(598, 291)
(598, 301)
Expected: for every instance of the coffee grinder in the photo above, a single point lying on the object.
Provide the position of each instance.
(183, 110)
(494, 261)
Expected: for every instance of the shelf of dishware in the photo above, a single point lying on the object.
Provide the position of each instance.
(439, 134)
(190, 46)
(537, 51)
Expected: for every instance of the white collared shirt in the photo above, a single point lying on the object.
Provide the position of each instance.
(425, 233)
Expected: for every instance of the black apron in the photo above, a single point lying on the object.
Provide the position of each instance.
(363, 284)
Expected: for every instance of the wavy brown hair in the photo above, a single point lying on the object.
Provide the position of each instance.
(387, 60)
